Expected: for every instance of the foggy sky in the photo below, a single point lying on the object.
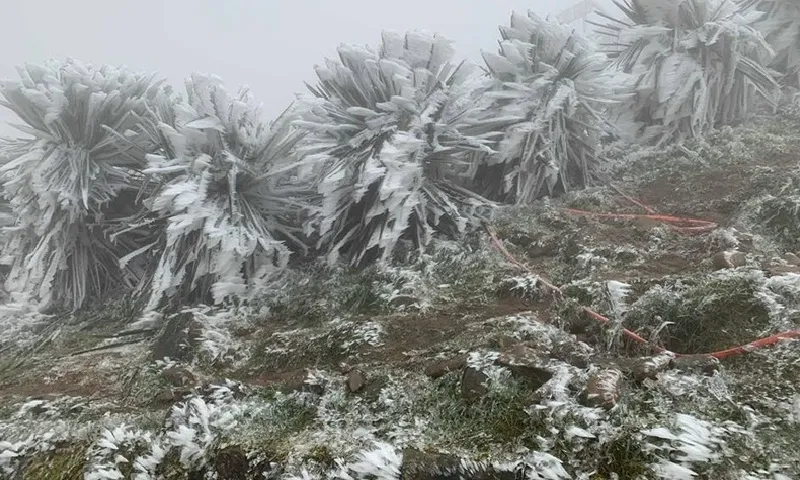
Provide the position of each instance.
(269, 45)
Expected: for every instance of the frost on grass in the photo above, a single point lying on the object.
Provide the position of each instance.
(716, 310)
(691, 441)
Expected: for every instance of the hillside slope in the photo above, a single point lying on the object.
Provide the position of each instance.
(461, 363)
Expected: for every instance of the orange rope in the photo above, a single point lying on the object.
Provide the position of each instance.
(680, 224)
(700, 226)
(500, 248)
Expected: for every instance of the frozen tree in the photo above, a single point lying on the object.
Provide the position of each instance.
(222, 201)
(781, 27)
(549, 92)
(70, 182)
(698, 64)
(391, 135)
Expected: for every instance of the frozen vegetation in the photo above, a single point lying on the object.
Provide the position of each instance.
(423, 269)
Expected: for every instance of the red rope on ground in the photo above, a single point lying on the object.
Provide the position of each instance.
(628, 333)
(680, 224)
(700, 227)
(499, 246)
(634, 201)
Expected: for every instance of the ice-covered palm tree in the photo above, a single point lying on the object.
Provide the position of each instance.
(222, 200)
(549, 90)
(780, 25)
(698, 64)
(70, 181)
(390, 133)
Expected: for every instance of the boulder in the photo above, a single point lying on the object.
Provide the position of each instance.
(728, 259)
(704, 364)
(650, 367)
(179, 377)
(356, 380)
(473, 384)
(791, 259)
(524, 362)
(604, 388)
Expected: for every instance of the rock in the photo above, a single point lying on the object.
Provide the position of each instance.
(505, 342)
(403, 301)
(570, 352)
(728, 259)
(166, 395)
(443, 367)
(173, 341)
(704, 364)
(745, 239)
(179, 377)
(604, 388)
(649, 367)
(792, 259)
(356, 380)
(418, 465)
(231, 463)
(523, 362)
(171, 395)
(473, 384)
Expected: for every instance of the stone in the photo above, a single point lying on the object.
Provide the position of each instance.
(356, 380)
(443, 367)
(728, 259)
(473, 384)
(170, 395)
(604, 388)
(179, 377)
(567, 352)
(403, 301)
(505, 341)
(792, 259)
(704, 364)
(524, 362)
(650, 367)
(745, 239)
(173, 341)
(231, 463)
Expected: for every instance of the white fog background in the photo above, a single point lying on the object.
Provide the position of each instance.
(269, 45)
